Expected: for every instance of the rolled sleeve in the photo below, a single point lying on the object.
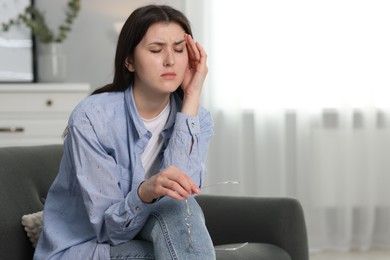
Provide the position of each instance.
(188, 144)
(126, 219)
(189, 124)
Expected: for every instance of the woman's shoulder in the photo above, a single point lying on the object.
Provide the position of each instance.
(98, 105)
(102, 99)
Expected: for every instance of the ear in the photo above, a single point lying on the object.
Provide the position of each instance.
(129, 64)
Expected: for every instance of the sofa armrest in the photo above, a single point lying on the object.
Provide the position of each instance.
(276, 221)
(26, 174)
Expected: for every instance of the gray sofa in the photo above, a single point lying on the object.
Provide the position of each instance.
(274, 227)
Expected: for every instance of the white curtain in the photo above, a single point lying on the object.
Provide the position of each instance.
(299, 91)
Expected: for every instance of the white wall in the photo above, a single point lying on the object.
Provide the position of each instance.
(90, 47)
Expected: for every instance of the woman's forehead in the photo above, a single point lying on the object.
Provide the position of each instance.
(164, 32)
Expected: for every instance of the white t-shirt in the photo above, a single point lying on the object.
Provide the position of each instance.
(155, 126)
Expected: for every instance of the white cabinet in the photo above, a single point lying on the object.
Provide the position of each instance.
(37, 114)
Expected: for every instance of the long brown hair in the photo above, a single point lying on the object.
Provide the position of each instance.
(132, 33)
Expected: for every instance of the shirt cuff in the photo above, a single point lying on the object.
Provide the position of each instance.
(136, 205)
(186, 123)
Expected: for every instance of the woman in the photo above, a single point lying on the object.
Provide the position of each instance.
(134, 153)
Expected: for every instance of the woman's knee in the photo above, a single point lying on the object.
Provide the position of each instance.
(174, 208)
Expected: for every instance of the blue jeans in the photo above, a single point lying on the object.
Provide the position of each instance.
(170, 233)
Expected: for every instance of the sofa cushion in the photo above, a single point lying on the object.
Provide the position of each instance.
(250, 251)
(32, 224)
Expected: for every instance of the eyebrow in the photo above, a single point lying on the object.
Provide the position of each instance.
(163, 43)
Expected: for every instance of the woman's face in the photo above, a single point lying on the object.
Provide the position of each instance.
(160, 59)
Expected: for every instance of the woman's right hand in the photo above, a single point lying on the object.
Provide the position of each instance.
(194, 76)
(171, 182)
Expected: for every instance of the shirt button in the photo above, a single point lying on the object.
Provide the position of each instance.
(193, 124)
(138, 208)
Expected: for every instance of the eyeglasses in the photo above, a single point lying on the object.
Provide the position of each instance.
(187, 219)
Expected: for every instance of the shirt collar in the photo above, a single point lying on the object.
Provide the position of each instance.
(175, 104)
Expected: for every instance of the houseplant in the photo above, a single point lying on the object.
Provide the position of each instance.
(51, 61)
(35, 20)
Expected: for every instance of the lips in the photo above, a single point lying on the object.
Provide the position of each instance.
(168, 75)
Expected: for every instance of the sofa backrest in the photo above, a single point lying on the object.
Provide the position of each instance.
(26, 174)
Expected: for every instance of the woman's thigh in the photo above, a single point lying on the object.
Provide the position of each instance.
(133, 249)
(174, 230)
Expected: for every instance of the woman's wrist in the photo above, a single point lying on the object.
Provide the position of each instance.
(144, 196)
(190, 105)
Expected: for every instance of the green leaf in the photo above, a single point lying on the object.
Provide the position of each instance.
(35, 20)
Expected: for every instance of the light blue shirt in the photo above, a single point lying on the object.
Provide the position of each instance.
(93, 202)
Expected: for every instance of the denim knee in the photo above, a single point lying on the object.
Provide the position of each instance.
(178, 229)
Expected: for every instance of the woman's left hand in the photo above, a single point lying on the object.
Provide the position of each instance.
(194, 76)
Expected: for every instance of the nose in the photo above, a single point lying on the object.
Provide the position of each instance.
(169, 59)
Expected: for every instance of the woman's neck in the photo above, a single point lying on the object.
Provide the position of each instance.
(149, 105)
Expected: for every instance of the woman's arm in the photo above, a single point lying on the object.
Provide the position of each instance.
(115, 217)
(184, 158)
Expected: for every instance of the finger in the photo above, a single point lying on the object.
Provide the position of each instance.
(193, 51)
(179, 182)
(194, 188)
(178, 178)
(175, 195)
(191, 47)
(202, 53)
(172, 191)
(179, 188)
